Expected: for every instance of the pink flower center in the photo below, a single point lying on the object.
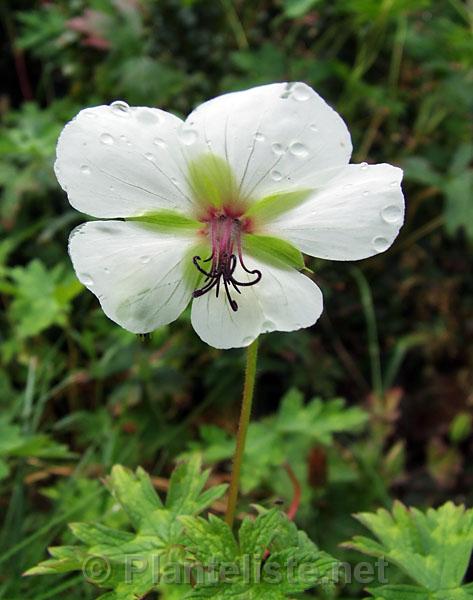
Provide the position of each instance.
(225, 233)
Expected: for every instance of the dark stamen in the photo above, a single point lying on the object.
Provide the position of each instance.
(225, 234)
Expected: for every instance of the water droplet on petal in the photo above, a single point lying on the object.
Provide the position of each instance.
(391, 213)
(174, 180)
(380, 244)
(298, 149)
(86, 279)
(149, 156)
(364, 166)
(90, 114)
(268, 326)
(123, 138)
(313, 127)
(277, 148)
(106, 270)
(301, 92)
(85, 169)
(348, 186)
(120, 108)
(147, 117)
(276, 175)
(394, 183)
(259, 137)
(188, 136)
(366, 193)
(247, 340)
(159, 142)
(145, 259)
(107, 139)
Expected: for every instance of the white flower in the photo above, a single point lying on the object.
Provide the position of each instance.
(218, 209)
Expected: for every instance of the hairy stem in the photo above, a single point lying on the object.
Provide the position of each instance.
(245, 415)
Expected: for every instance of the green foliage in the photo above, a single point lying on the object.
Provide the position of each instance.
(14, 444)
(432, 548)
(131, 564)
(27, 143)
(41, 298)
(270, 559)
(283, 438)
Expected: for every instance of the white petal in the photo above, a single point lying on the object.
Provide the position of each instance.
(275, 137)
(356, 215)
(284, 300)
(135, 272)
(117, 161)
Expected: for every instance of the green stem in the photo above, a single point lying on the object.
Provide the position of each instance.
(245, 415)
(373, 340)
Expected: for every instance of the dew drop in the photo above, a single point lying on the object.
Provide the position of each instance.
(366, 193)
(174, 180)
(391, 213)
(277, 148)
(145, 259)
(301, 92)
(313, 127)
(120, 108)
(107, 139)
(394, 184)
(259, 137)
(147, 117)
(268, 326)
(123, 138)
(90, 115)
(364, 166)
(348, 186)
(149, 156)
(85, 170)
(106, 270)
(276, 175)
(298, 149)
(247, 341)
(380, 244)
(159, 142)
(188, 136)
(86, 279)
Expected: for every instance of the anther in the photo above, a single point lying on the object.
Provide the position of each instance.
(225, 235)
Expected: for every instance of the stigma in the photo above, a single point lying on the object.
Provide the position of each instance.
(225, 233)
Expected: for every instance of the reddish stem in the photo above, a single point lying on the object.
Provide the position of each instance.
(296, 500)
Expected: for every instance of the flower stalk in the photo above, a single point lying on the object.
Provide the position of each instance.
(245, 415)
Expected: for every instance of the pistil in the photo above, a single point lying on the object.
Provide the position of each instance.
(225, 237)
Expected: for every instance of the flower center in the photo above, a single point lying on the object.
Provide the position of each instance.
(225, 233)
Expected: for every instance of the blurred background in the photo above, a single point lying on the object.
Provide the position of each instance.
(373, 403)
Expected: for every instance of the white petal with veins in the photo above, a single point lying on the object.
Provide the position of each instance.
(284, 300)
(135, 272)
(275, 137)
(117, 161)
(356, 215)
